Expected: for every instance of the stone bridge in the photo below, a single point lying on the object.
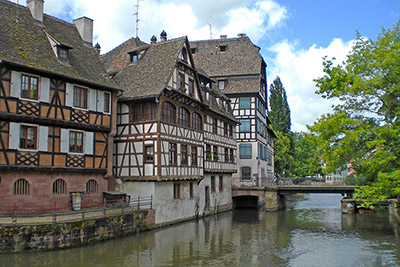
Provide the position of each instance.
(274, 198)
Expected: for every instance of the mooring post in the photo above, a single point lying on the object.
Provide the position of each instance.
(348, 205)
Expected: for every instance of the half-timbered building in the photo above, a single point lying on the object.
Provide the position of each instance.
(164, 127)
(239, 69)
(56, 106)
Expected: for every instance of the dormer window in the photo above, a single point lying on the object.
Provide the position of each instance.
(62, 53)
(134, 58)
(193, 50)
(221, 85)
(223, 48)
(184, 54)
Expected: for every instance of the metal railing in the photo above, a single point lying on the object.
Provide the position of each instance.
(50, 215)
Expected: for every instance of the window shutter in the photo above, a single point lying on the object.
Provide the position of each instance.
(92, 99)
(88, 143)
(14, 136)
(64, 141)
(69, 98)
(44, 90)
(15, 89)
(100, 102)
(43, 138)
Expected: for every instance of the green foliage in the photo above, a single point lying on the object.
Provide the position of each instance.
(306, 160)
(280, 112)
(283, 158)
(364, 128)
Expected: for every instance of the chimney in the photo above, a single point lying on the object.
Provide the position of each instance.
(85, 28)
(241, 35)
(163, 36)
(98, 48)
(36, 8)
(153, 39)
(223, 37)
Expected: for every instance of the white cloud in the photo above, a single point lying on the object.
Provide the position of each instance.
(297, 70)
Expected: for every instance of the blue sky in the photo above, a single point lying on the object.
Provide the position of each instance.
(293, 35)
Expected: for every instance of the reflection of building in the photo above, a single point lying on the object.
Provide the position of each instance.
(239, 69)
(55, 110)
(175, 135)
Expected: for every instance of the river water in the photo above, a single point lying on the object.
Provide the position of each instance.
(311, 232)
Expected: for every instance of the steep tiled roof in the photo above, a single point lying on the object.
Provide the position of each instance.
(24, 42)
(240, 58)
(118, 57)
(151, 73)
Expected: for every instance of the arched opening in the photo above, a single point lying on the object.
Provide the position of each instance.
(245, 202)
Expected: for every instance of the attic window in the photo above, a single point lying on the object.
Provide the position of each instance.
(62, 53)
(223, 48)
(134, 58)
(184, 54)
(193, 50)
(221, 85)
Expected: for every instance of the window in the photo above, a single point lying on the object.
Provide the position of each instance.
(184, 155)
(213, 184)
(230, 130)
(197, 123)
(28, 137)
(244, 102)
(191, 87)
(80, 97)
(245, 151)
(225, 129)
(191, 190)
(168, 113)
(181, 82)
(208, 152)
(76, 141)
(172, 153)
(222, 48)
(177, 190)
(62, 53)
(221, 183)
(244, 126)
(214, 125)
(184, 54)
(134, 57)
(21, 187)
(149, 153)
(144, 111)
(232, 157)
(221, 85)
(29, 87)
(92, 186)
(245, 173)
(193, 50)
(215, 153)
(194, 155)
(226, 154)
(59, 187)
(107, 100)
(183, 117)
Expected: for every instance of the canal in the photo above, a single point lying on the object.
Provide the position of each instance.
(311, 232)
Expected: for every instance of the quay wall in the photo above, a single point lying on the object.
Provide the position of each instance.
(20, 238)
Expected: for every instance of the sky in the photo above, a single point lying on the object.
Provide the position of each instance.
(294, 35)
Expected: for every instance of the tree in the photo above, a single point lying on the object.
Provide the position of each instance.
(306, 159)
(280, 112)
(283, 158)
(364, 128)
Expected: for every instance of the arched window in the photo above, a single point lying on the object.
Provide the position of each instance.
(183, 117)
(92, 186)
(168, 112)
(59, 187)
(197, 123)
(21, 187)
(245, 173)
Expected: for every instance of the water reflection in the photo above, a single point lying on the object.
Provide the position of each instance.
(311, 233)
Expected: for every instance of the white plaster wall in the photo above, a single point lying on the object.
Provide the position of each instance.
(218, 199)
(135, 189)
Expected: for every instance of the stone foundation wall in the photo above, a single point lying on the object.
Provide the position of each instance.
(57, 236)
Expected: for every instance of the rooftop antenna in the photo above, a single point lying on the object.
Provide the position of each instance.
(136, 14)
(210, 30)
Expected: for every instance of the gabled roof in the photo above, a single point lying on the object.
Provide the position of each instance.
(152, 72)
(118, 57)
(241, 62)
(24, 42)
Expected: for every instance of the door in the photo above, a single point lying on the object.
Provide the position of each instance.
(207, 199)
